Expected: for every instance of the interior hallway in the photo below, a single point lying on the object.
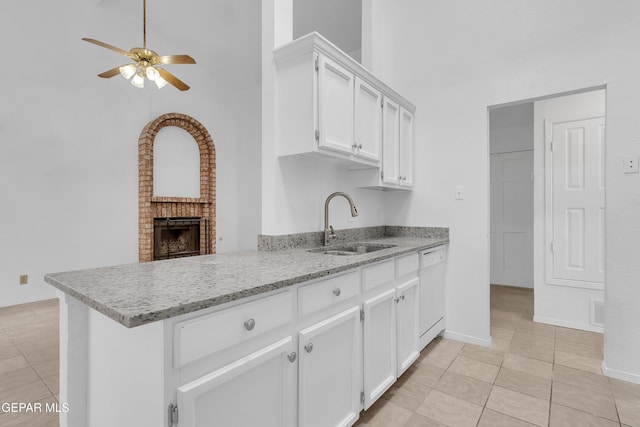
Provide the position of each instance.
(534, 374)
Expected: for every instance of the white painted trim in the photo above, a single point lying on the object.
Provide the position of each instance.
(565, 324)
(620, 375)
(467, 338)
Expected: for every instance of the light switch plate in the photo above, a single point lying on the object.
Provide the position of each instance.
(459, 193)
(630, 164)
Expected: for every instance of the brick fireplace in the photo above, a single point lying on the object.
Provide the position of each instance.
(173, 215)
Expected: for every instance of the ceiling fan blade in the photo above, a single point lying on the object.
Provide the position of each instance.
(176, 59)
(108, 46)
(110, 73)
(170, 78)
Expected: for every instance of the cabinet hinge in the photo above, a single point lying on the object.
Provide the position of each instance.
(173, 415)
(381, 174)
(361, 315)
(381, 102)
(317, 65)
(551, 146)
(362, 397)
(317, 135)
(553, 247)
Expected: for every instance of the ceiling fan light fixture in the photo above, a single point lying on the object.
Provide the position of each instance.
(152, 73)
(138, 81)
(160, 82)
(127, 71)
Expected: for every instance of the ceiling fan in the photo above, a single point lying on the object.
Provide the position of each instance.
(145, 62)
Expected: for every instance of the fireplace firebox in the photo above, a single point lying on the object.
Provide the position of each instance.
(176, 237)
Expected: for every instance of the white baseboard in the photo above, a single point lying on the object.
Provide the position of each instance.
(565, 324)
(620, 375)
(467, 338)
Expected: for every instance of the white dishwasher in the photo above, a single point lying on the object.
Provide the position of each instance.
(432, 281)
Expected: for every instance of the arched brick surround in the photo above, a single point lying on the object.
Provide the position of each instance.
(150, 207)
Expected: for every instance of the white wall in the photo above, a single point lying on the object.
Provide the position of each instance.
(68, 139)
(559, 305)
(453, 59)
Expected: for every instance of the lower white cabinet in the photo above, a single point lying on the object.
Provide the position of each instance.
(390, 336)
(407, 323)
(329, 371)
(257, 390)
(379, 345)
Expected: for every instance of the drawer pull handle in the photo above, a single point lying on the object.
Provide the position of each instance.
(292, 356)
(250, 324)
(336, 292)
(309, 347)
(402, 296)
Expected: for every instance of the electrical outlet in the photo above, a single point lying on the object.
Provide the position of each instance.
(630, 164)
(24, 279)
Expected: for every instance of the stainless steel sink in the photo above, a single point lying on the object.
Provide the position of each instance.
(350, 249)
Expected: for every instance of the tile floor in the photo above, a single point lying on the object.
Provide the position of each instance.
(29, 351)
(534, 374)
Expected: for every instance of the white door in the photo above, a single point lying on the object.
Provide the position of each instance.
(335, 98)
(512, 219)
(407, 326)
(257, 390)
(406, 148)
(391, 142)
(576, 202)
(329, 371)
(379, 342)
(368, 121)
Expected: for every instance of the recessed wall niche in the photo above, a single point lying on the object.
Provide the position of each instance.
(172, 208)
(176, 164)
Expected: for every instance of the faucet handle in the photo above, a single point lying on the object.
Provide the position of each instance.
(332, 233)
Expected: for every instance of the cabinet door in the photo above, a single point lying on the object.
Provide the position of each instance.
(407, 326)
(335, 99)
(257, 390)
(390, 142)
(406, 148)
(379, 345)
(368, 121)
(329, 371)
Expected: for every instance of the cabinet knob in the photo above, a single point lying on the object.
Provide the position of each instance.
(292, 356)
(354, 145)
(309, 347)
(402, 296)
(250, 324)
(336, 292)
(360, 146)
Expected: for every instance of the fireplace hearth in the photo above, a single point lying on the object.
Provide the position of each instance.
(176, 237)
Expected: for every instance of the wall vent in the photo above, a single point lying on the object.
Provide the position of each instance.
(597, 313)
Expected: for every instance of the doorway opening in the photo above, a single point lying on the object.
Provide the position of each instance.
(547, 205)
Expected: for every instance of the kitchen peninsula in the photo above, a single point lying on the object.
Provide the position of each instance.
(241, 336)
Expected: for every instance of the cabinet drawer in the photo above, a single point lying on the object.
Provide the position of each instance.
(377, 275)
(202, 336)
(407, 264)
(322, 294)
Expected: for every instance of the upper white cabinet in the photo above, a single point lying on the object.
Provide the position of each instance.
(397, 151)
(329, 105)
(335, 99)
(368, 121)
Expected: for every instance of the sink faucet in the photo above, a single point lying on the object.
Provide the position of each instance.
(328, 229)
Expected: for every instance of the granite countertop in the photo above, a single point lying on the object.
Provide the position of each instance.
(141, 293)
